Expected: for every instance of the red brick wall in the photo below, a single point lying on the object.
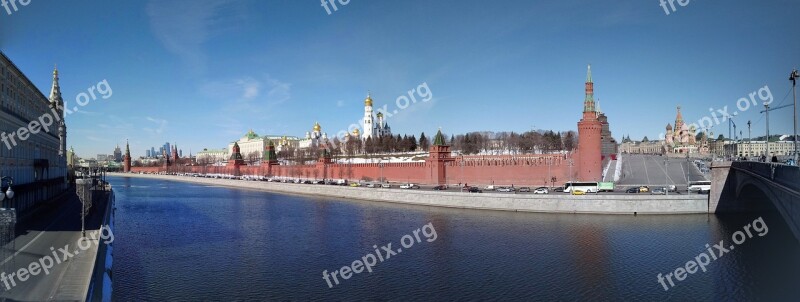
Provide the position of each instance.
(527, 170)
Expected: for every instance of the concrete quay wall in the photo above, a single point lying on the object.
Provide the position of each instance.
(552, 203)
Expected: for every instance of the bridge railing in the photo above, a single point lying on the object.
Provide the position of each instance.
(784, 175)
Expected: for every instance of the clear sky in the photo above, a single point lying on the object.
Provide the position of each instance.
(201, 73)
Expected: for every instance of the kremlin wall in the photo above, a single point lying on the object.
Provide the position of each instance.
(440, 168)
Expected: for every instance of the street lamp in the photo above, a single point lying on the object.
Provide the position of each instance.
(8, 194)
(687, 173)
(380, 164)
(749, 141)
(793, 77)
(666, 172)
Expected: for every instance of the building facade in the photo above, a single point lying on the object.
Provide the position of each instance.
(759, 148)
(609, 144)
(35, 157)
(629, 146)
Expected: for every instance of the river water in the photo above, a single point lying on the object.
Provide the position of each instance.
(188, 242)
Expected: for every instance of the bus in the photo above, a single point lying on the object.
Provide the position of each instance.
(588, 187)
(702, 186)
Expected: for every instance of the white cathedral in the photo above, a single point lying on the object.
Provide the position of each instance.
(371, 127)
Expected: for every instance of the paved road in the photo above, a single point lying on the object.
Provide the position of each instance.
(652, 170)
(55, 228)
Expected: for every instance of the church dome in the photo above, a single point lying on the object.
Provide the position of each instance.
(317, 127)
(368, 101)
(356, 132)
(669, 127)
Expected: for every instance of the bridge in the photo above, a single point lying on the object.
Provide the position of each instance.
(746, 186)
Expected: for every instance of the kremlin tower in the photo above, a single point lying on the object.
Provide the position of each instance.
(126, 160)
(589, 137)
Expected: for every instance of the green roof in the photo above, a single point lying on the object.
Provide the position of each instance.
(439, 139)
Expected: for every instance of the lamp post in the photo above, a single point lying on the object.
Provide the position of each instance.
(380, 164)
(793, 77)
(570, 163)
(766, 106)
(462, 174)
(749, 140)
(666, 172)
(687, 172)
(9, 193)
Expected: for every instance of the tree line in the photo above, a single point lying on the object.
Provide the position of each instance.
(529, 142)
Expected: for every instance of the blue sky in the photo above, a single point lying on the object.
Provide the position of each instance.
(201, 73)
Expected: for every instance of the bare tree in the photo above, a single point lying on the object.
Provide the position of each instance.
(253, 157)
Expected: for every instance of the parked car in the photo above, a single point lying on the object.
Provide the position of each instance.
(578, 192)
(644, 189)
(558, 189)
(475, 190)
(541, 190)
(440, 188)
(370, 185)
(659, 191)
(490, 188)
(409, 186)
(506, 189)
(355, 184)
(386, 186)
(524, 189)
(632, 190)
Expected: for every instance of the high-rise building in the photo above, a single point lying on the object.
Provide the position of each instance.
(117, 154)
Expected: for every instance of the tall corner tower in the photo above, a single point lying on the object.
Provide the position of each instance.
(368, 122)
(589, 137)
(57, 104)
(126, 160)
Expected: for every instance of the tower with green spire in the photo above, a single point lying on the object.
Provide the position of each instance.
(126, 159)
(588, 102)
(438, 159)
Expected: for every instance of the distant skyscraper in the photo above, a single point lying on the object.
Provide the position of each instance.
(152, 151)
(118, 154)
(167, 149)
(147, 153)
(180, 153)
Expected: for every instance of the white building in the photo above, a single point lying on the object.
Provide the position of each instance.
(373, 128)
(759, 148)
(212, 156)
(315, 138)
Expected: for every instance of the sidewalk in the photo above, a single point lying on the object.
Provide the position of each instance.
(54, 227)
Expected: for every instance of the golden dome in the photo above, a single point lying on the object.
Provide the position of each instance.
(368, 100)
(317, 127)
(356, 132)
